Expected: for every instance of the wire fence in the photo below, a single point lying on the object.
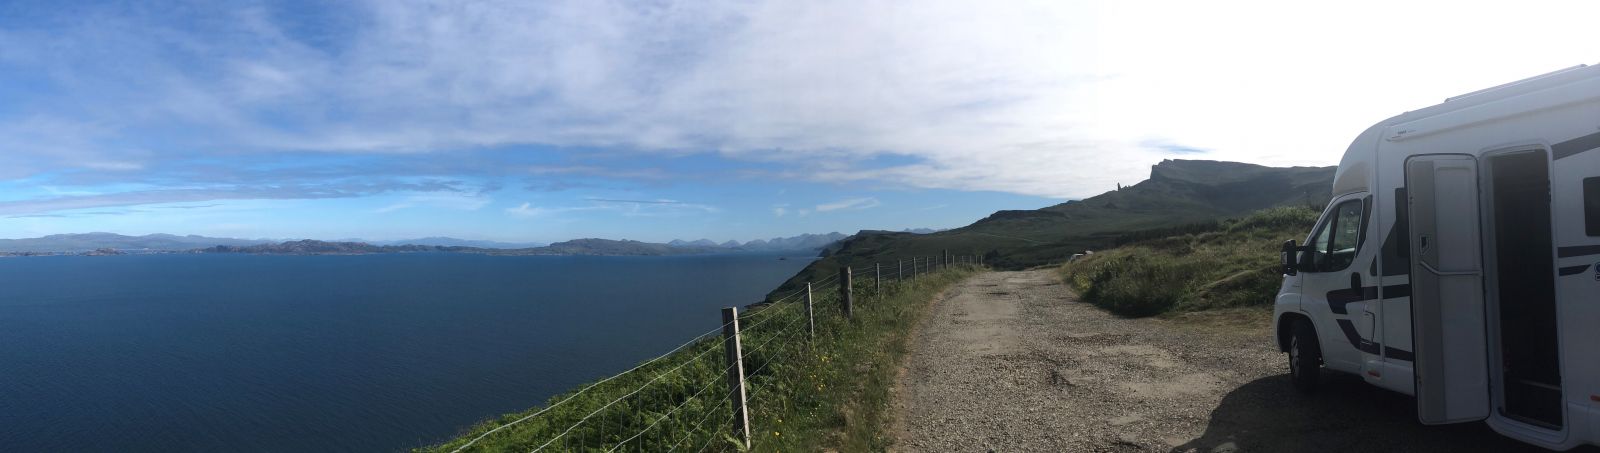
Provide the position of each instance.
(691, 398)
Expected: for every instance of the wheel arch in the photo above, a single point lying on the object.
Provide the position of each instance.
(1286, 322)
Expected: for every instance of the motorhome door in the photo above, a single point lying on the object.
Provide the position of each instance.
(1447, 303)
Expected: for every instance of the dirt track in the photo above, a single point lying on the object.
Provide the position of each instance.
(1011, 361)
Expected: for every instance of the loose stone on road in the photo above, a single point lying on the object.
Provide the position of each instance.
(1012, 361)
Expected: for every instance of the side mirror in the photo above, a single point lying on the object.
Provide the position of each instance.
(1289, 258)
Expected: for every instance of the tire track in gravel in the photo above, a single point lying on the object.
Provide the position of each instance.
(1012, 361)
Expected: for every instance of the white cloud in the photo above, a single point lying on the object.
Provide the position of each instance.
(852, 204)
(627, 208)
(525, 210)
(457, 201)
(779, 211)
(660, 207)
(392, 208)
(1046, 98)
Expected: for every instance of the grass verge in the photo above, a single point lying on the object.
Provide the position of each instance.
(832, 392)
(1232, 263)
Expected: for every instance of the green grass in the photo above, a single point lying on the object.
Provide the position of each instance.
(1232, 263)
(831, 393)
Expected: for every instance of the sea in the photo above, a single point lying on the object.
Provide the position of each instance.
(221, 352)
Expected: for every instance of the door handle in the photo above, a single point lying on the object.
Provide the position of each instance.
(1440, 273)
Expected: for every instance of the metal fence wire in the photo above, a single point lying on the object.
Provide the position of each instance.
(689, 398)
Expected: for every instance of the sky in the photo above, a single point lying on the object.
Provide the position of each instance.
(656, 120)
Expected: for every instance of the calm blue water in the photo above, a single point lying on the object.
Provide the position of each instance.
(330, 353)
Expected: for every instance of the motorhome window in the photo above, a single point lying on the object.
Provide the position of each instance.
(1319, 245)
(1591, 206)
(1337, 238)
(1366, 210)
(1346, 228)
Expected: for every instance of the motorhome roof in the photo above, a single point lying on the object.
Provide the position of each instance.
(1508, 85)
(1502, 91)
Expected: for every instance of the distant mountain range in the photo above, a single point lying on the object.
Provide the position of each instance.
(453, 242)
(574, 247)
(315, 247)
(87, 242)
(111, 243)
(801, 243)
(589, 246)
(623, 247)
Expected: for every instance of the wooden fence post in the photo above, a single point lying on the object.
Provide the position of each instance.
(811, 321)
(899, 270)
(946, 260)
(877, 280)
(731, 349)
(845, 290)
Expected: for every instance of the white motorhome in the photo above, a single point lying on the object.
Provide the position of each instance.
(1459, 261)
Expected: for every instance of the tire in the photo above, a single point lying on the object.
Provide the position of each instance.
(1305, 357)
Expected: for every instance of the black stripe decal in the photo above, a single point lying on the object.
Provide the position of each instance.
(1339, 298)
(1572, 147)
(1572, 270)
(1396, 250)
(1578, 250)
(1399, 354)
(1350, 333)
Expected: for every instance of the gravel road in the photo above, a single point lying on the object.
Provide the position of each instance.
(1012, 361)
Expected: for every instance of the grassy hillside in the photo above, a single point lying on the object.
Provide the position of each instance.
(831, 394)
(1179, 192)
(1231, 263)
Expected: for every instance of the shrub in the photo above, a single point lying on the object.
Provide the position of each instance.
(1232, 263)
